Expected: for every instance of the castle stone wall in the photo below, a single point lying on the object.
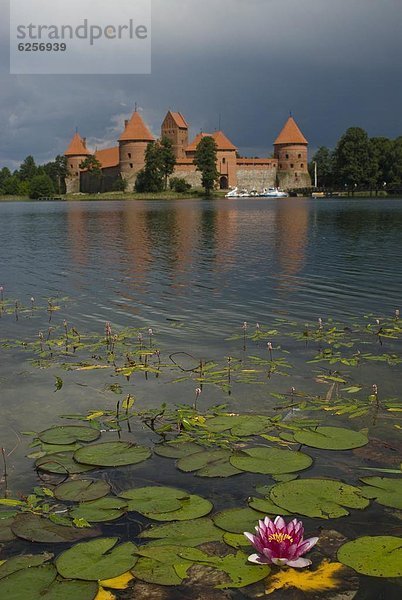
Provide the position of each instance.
(256, 178)
(192, 176)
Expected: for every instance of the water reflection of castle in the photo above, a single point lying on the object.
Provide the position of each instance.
(287, 168)
(182, 237)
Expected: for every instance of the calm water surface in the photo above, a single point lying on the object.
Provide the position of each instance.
(194, 271)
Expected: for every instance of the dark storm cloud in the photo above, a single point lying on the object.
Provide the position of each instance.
(333, 63)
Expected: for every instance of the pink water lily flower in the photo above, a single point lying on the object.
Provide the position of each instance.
(280, 544)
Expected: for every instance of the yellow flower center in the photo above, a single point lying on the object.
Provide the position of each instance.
(280, 537)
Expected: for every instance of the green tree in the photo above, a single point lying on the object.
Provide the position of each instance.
(179, 185)
(325, 167)
(28, 169)
(393, 176)
(353, 159)
(57, 171)
(91, 164)
(150, 178)
(168, 159)
(5, 173)
(205, 161)
(11, 186)
(41, 186)
(120, 184)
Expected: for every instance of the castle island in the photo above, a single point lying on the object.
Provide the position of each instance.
(287, 168)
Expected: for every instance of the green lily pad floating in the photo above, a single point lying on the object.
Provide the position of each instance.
(98, 559)
(69, 434)
(159, 573)
(331, 438)
(23, 562)
(101, 510)
(209, 463)
(269, 460)
(168, 565)
(265, 505)
(6, 534)
(56, 448)
(153, 499)
(192, 507)
(223, 423)
(39, 529)
(81, 490)
(384, 490)
(42, 583)
(171, 450)
(378, 556)
(324, 498)
(112, 454)
(62, 463)
(238, 520)
(186, 533)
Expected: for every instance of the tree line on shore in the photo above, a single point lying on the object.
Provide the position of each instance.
(359, 162)
(33, 180)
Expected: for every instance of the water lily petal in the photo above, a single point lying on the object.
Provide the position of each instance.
(258, 559)
(300, 563)
(280, 523)
(307, 545)
(280, 562)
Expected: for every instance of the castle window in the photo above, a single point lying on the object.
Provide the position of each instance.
(223, 161)
(280, 166)
(72, 166)
(287, 156)
(131, 165)
(129, 155)
(291, 165)
(299, 155)
(301, 166)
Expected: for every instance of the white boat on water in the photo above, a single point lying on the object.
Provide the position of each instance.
(272, 192)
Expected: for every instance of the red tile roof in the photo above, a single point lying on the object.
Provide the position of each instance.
(77, 147)
(136, 130)
(222, 142)
(290, 134)
(179, 120)
(109, 157)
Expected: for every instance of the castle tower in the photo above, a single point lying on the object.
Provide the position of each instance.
(75, 154)
(175, 128)
(133, 143)
(291, 151)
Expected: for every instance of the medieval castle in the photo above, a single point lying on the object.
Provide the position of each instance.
(286, 169)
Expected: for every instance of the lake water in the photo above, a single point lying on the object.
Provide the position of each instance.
(194, 271)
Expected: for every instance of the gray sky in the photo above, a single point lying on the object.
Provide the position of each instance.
(333, 63)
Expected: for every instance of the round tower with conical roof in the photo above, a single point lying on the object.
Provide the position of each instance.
(291, 152)
(75, 154)
(133, 143)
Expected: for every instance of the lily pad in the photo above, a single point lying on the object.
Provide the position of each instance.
(170, 450)
(378, 556)
(39, 529)
(97, 559)
(331, 438)
(324, 498)
(23, 562)
(6, 534)
(384, 490)
(223, 423)
(62, 463)
(42, 583)
(192, 507)
(238, 520)
(265, 505)
(69, 434)
(112, 454)
(82, 490)
(209, 463)
(186, 533)
(153, 499)
(159, 573)
(101, 510)
(269, 460)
